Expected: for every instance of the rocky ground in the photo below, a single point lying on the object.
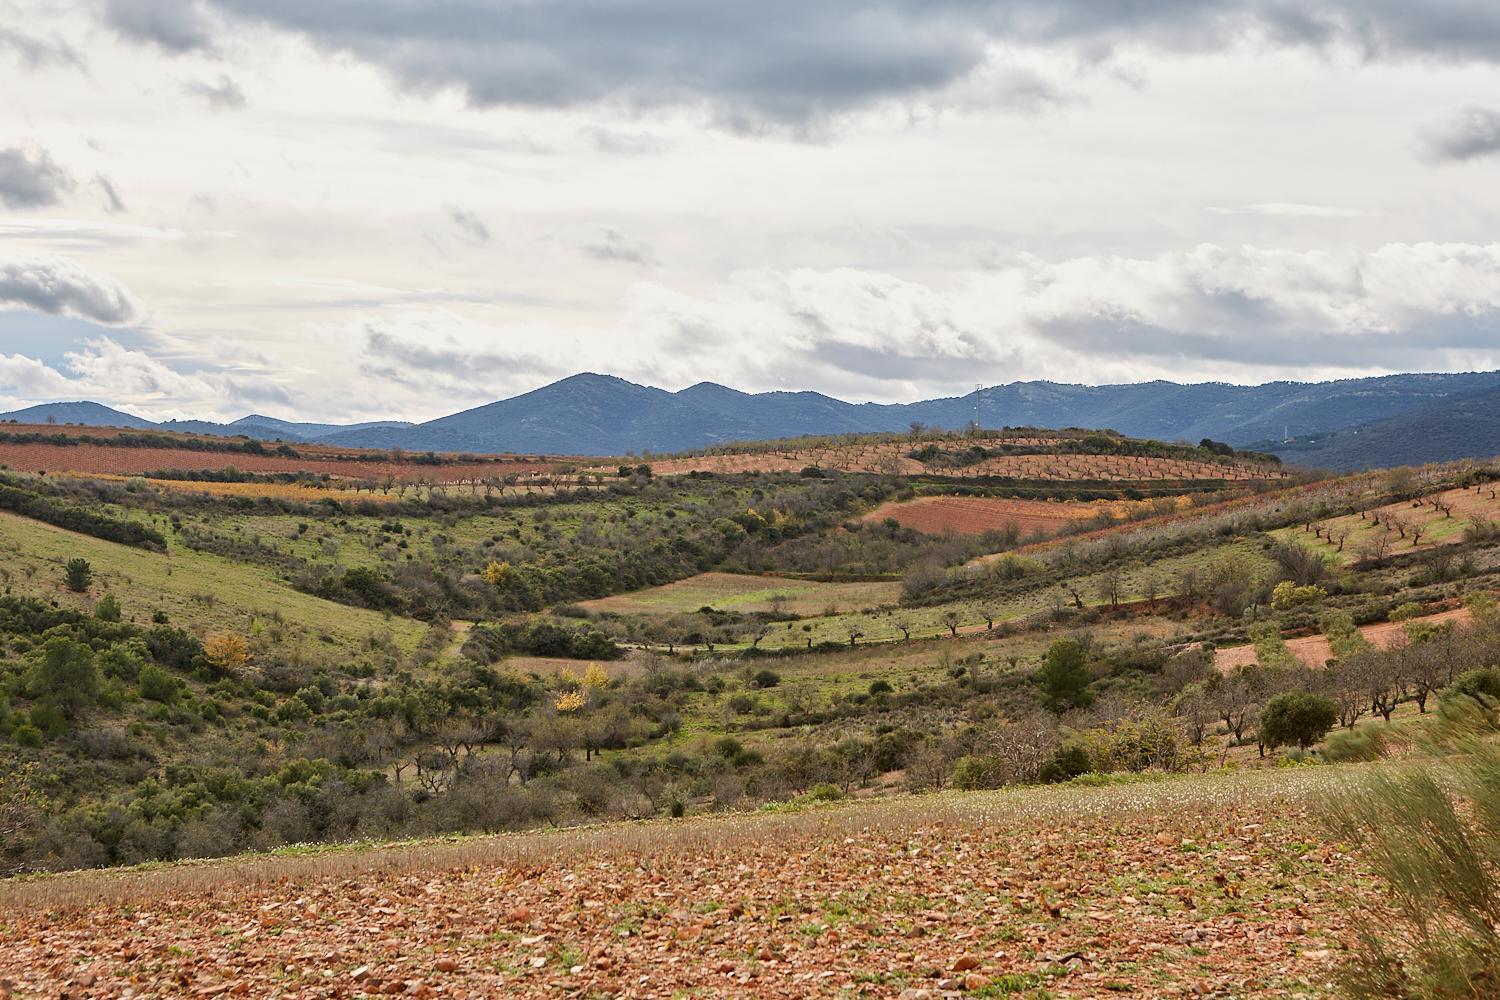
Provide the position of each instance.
(1220, 886)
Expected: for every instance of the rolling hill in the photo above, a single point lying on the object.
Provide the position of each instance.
(602, 414)
(1464, 427)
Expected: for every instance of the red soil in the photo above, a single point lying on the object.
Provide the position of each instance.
(976, 515)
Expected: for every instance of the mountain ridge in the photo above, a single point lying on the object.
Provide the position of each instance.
(591, 413)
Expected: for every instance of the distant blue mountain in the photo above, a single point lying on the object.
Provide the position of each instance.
(590, 414)
(81, 412)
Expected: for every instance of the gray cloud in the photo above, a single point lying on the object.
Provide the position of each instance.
(174, 25)
(112, 200)
(37, 53)
(1470, 134)
(783, 63)
(470, 225)
(31, 179)
(61, 288)
(438, 356)
(223, 94)
(613, 245)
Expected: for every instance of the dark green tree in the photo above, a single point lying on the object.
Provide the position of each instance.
(1064, 677)
(1296, 717)
(78, 574)
(64, 675)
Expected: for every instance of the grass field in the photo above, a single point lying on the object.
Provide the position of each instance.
(1219, 884)
(197, 590)
(740, 592)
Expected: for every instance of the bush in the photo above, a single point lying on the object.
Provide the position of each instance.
(765, 679)
(1070, 761)
(108, 609)
(1482, 684)
(971, 773)
(1296, 717)
(158, 685)
(880, 687)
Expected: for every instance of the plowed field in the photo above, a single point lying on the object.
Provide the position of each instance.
(976, 515)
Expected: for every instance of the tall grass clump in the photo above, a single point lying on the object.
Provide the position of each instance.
(1430, 830)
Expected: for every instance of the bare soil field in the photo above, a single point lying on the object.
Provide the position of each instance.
(1314, 651)
(1210, 885)
(976, 515)
(108, 459)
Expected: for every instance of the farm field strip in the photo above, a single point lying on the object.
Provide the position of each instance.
(935, 515)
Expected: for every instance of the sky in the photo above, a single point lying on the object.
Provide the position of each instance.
(363, 209)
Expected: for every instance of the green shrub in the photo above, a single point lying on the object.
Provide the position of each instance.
(155, 684)
(108, 609)
(27, 735)
(1070, 761)
(765, 679)
(880, 687)
(971, 773)
(1297, 718)
(1480, 684)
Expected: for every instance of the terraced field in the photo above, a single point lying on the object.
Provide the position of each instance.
(975, 515)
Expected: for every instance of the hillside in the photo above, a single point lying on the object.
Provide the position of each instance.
(1467, 426)
(600, 414)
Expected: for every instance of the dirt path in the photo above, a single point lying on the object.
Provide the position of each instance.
(1314, 651)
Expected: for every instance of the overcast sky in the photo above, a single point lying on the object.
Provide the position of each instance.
(353, 209)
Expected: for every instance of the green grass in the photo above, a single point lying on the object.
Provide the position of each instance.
(196, 590)
(736, 592)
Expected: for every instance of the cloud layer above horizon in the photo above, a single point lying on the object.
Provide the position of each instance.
(353, 210)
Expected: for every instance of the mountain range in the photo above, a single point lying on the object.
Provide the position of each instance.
(1348, 423)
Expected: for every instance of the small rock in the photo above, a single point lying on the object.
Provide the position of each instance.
(360, 974)
(446, 965)
(520, 915)
(965, 963)
(974, 981)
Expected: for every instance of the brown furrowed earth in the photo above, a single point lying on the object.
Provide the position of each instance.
(45, 456)
(891, 458)
(1216, 884)
(976, 515)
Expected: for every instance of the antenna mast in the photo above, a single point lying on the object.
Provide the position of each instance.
(977, 387)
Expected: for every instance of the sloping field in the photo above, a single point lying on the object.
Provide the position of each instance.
(740, 592)
(976, 515)
(892, 458)
(197, 590)
(1441, 518)
(126, 460)
(1314, 651)
(1213, 885)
